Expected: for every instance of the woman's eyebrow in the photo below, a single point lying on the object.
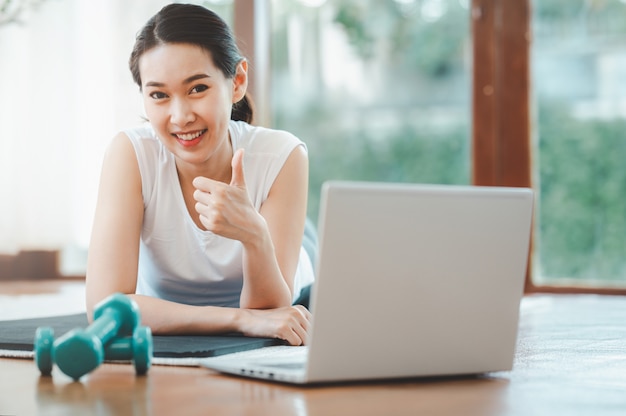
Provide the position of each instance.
(155, 84)
(195, 78)
(188, 80)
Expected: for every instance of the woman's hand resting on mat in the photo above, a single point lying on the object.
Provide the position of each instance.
(290, 323)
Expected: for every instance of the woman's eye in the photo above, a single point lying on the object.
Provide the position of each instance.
(199, 88)
(158, 95)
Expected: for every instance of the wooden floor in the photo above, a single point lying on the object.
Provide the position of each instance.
(571, 360)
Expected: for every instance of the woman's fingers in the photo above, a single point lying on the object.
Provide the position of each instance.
(291, 324)
(300, 327)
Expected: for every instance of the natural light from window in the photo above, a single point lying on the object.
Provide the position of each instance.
(579, 70)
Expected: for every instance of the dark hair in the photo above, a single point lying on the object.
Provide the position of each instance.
(196, 25)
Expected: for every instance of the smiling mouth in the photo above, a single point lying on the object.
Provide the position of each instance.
(187, 137)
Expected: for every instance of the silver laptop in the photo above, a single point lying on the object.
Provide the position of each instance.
(412, 281)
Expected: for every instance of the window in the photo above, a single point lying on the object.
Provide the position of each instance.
(579, 98)
(379, 90)
(559, 138)
(555, 134)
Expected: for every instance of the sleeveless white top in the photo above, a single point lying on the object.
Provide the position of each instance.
(179, 261)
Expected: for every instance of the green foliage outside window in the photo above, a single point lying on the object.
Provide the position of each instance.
(582, 185)
(403, 155)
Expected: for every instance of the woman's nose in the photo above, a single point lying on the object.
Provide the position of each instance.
(181, 113)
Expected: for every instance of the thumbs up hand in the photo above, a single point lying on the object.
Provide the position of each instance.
(226, 209)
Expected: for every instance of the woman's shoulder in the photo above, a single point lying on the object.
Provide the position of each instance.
(258, 138)
(144, 141)
(142, 132)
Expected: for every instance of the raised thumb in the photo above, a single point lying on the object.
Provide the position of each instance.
(237, 178)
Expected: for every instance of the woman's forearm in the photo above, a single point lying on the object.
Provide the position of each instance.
(165, 317)
(264, 285)
(168, 318)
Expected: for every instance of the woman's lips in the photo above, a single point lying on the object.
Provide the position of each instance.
(189, 139)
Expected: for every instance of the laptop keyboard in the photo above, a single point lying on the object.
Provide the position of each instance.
(287, 366)
(282, 354)
(280, 362)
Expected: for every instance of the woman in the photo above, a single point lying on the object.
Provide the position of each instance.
(200, 215)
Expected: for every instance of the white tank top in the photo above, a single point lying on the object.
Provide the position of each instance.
(177, 260)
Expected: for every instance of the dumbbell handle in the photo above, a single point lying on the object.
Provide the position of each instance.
(137, 348)
(105, 326)
(119, 349)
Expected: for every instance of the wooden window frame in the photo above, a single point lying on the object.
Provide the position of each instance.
(501, 131)
(251, 24)
(501, 128)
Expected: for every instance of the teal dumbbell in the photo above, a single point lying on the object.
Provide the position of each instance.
(44, 343)
(137, 348)
(80, 351)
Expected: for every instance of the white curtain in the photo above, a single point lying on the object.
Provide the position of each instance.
(65, 91)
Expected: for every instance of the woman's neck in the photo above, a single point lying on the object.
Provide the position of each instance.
(217, 167)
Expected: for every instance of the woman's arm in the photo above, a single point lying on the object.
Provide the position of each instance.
(271, 238)
(114, 245)
(284, 212)
(291, 323)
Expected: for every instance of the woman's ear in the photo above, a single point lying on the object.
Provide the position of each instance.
(240, 81)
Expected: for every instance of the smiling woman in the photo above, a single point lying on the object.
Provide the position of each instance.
(200, 215)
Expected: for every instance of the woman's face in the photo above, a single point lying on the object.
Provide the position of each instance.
(188, 100)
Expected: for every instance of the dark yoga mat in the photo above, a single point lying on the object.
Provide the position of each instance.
(19, 335)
